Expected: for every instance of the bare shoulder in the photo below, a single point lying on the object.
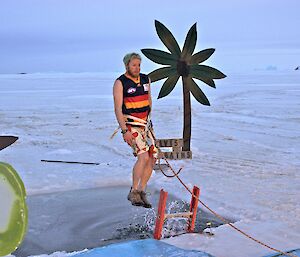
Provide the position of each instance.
(118, 84)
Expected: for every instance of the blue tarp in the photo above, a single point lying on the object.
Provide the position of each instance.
(142, 248)
(295, 252)
(152, 248)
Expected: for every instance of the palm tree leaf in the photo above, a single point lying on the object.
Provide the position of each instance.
(162, 73)
(202, 55)
(167, 38)
(210, 71)
(190, 42)
(201, 75)
(168, 86)
(159, 56)
(196, 91)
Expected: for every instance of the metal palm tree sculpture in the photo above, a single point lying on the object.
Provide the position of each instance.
(182, 63)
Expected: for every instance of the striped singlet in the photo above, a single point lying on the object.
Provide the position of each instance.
(135, 96)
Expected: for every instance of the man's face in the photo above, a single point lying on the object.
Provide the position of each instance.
(134, 67)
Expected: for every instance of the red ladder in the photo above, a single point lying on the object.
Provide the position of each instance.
(161, 215)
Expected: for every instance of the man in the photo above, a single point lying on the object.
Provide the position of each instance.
(132, 104)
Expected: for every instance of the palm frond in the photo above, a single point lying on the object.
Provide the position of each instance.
(167, 38)
(210, 71)
(190, 42)
(202, 55)
(196, 91)
(168, 86)
(162, 73)
(160, 57)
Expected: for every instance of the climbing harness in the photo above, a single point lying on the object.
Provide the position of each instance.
(148, 127)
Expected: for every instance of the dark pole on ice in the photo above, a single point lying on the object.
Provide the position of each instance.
(91, 163)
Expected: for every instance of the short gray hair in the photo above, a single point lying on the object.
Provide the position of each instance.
(128, 57)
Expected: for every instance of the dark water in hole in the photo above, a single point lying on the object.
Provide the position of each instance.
(75, 220)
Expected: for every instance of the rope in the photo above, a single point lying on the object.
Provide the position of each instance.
(168, 176)
(147, 126)
(216, 214)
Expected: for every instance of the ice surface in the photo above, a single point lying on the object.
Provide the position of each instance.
(246, 148)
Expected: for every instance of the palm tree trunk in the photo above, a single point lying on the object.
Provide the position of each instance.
(187, 120)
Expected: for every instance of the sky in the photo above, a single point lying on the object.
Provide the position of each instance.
(93, 36)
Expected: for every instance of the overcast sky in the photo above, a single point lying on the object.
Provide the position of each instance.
(87, 35)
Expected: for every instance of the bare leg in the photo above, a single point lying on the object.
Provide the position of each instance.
(147, 173)
(139, 168)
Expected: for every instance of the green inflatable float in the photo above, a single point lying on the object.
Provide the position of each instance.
(13, 208)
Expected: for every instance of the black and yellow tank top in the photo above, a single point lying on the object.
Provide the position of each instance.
(135, 96)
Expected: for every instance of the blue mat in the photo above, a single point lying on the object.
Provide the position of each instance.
(141, 248)
(295, 252)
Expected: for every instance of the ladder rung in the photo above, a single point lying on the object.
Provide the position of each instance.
(178, 214)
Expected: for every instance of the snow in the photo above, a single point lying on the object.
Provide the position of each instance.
(245, 148)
